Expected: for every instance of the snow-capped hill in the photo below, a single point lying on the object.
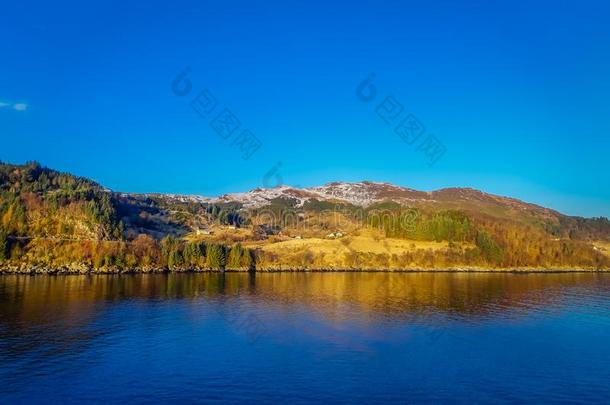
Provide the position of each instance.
(366, 193)
(260, 197)
(361, 194)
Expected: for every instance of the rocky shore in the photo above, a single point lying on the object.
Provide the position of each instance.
(81, 269)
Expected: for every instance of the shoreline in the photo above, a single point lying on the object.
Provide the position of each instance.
(109, 272)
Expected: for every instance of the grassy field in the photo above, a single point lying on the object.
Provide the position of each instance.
(363, 248)
(347, 244)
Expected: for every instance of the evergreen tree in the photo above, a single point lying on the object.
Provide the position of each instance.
(175, 259)
(247, 259)
(489, 248)
(216, 257)
(234, 260)
(4, 251)
(193, 254)
(169, 245)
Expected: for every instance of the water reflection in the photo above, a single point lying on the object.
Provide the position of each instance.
(261, 329)
(45, 298)
(60, 310)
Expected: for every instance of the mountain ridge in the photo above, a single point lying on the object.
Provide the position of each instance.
(249, 198)
(54, 219)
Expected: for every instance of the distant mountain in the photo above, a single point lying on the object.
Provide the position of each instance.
(366, 194)
(55, 220)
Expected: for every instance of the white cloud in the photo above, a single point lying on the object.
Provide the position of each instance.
(14, 106)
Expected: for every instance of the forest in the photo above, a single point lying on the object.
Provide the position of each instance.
(54, 219)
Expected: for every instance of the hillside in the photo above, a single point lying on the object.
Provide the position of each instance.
(52, 220)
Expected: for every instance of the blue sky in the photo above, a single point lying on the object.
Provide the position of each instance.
(517, 92)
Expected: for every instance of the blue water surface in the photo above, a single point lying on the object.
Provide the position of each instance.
(303, 338)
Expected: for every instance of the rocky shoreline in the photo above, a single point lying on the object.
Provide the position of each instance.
(78, 269)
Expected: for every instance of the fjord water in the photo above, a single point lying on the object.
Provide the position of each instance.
(331, 337)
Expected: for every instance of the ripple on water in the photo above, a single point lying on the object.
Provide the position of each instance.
(305, 337)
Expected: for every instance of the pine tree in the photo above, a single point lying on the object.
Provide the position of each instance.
(235, 257)
(193, 254)
(216, 257)
(489, 248)
(169, 244)
(4, 251)
(247, 259)
(174, 259)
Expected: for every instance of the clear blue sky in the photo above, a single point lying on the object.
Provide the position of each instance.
(517, 91)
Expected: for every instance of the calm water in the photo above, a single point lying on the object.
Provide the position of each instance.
(305, 337)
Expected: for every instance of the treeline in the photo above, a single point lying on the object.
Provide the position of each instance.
(229, 213)
(511, 244)
(497, 242)
(195, 254)
(578, 228)
(143, 253)
(451, 226)
(32, 177)
(36, 201)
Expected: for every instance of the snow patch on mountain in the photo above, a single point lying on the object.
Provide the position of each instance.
(361, 194)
